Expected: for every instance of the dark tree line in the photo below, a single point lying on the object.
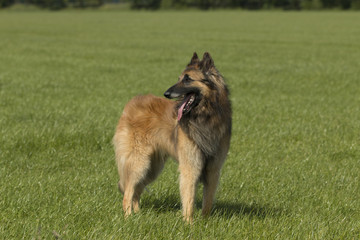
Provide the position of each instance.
(55, 4)
(202, 4)
(248, 4)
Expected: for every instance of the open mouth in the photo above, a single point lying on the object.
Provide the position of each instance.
(186, 105)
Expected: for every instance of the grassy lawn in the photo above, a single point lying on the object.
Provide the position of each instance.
(293, 171)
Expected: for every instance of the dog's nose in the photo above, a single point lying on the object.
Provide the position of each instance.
(167, 94)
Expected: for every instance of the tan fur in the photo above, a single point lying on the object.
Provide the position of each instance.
(148, 132)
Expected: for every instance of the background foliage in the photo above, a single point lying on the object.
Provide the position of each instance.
(202, 4)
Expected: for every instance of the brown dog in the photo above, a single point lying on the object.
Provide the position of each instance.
(195, 130)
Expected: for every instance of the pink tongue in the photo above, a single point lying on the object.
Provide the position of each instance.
(180, 111)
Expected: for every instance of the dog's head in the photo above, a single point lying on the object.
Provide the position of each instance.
(200, 80)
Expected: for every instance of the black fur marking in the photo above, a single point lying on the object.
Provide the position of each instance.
(187, 80)
(199, 125)
(187, 90)
(209, 84)
(182, 90)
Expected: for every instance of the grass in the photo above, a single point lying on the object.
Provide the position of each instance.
(294, 163)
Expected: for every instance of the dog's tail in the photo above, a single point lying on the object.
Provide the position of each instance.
(120, 160)
(120, 163)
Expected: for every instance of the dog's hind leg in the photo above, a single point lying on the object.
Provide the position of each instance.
(136, 199)
(140, 170)
(157, 164)
(135, 171)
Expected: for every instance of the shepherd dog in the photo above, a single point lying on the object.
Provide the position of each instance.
(194, 129)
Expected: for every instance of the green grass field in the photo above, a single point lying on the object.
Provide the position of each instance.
(293, 170)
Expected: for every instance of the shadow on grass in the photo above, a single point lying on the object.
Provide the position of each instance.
(221, 208)
(169, 204)
(230, 209)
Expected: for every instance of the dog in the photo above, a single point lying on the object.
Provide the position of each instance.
(195, 129)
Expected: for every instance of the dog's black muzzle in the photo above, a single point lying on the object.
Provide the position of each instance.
(167, 94)
(177, 91)
(170, 93)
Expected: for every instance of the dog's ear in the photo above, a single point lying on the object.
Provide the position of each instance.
(194, 60)
(207, 63)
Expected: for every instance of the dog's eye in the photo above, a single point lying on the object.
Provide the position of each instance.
(187, 79)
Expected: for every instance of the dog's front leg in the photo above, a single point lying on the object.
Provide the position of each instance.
(211, 176)
(190, 167)
(188, 182)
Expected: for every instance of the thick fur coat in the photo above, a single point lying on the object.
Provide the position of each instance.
(195, 129)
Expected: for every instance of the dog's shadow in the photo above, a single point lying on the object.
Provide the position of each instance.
(228, 209)
(222, 209)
